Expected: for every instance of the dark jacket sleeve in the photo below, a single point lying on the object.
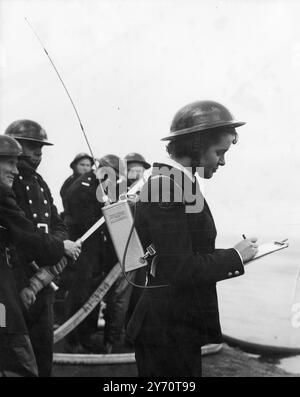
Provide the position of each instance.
(166, 226)
(64, 188)
(30, 241)
(83, 206)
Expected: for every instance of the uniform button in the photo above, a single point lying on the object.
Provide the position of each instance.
(27, 188)
(89, 178)
(237, 273)
(229, 274)
(46, 215)
(42, 190)
(35, 215)
(45, 202)
(21, 178)
(30, 201)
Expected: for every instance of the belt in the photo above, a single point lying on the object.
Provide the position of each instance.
(44, 227)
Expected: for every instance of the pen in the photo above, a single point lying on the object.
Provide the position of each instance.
(244, 237)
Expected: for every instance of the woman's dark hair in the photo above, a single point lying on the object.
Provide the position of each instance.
(197, 143)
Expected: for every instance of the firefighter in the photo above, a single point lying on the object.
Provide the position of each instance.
(136, 166)
(34, 197)
(98, 255)
(170, 321)
(81, 164)
(16, 231)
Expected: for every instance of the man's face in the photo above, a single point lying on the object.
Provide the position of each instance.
(8, 170)
(135, 171)
(214, 156)
(83, 166)
(33, 151)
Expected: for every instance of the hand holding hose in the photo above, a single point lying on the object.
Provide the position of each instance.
(72, 249)
(27, 297)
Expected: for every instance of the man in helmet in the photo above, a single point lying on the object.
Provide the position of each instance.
(34, 197)
(84, 203)
(17, 232)
(81, 164)
(136, 166)
(178, 314)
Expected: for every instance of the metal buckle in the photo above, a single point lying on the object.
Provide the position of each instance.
(150, 251)
(123, 197)
(44, 227)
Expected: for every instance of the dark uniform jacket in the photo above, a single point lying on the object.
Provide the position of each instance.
(83, 207)
(65, 188)
(34, 198)
(18, 232)
(186, 311)
(84, 210)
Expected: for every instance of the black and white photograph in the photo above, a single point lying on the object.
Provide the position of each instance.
(149, 203)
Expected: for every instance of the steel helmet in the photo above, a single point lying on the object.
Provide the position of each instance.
(81, 156)
(27, 130)
(201, 116)
(115, 162)
(9, 147)
(136, 158)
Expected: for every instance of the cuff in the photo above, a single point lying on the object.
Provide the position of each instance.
(239, 255)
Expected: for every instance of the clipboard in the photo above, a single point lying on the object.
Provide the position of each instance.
(269, 248)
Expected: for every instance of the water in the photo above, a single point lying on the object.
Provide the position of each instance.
(290, 364)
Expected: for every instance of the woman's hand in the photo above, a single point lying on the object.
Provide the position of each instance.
(72, 249)
(247, 248)
(28, 297)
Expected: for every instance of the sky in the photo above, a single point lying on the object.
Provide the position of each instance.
(130, 65)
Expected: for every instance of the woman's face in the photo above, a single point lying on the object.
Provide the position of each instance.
(214, 156)
(83, 166)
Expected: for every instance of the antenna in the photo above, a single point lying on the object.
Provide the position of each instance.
(65, 88)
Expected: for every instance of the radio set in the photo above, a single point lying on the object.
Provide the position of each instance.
(119, 220)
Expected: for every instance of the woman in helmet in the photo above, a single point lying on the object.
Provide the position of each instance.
(177, 314)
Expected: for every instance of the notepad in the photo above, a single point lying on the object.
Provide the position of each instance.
(269, 248)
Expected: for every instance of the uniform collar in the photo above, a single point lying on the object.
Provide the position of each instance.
(25, 168)
(174, 164)
(88, 179)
